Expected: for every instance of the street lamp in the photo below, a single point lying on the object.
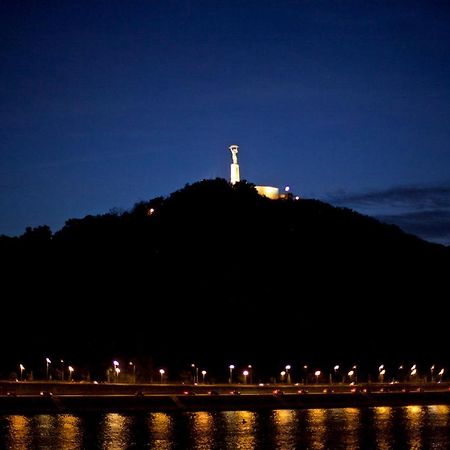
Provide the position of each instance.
(381, 372)
(134, 370)
(305, 369)
(432, 372)
(245, 373)
(116, 369)
(336, 368)
(401, 376)
(71, 369)
(356, 373)
(288, 374)
(317, 374)
(350, 375)
(62, 370)
(47, 360)
(231, 367)
(441, 374)
(203, 376)
(282, 373)
(22, 368)
(162, 372)
(195, 373)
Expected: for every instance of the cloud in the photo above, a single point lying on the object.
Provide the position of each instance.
(420, 210)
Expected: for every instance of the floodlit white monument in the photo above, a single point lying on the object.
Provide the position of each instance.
(266, 191)
(234, 165)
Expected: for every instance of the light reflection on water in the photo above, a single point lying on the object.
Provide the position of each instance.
(383, 428)
(383, 424)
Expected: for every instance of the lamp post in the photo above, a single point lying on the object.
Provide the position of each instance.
(162, 372)
(305, 370)
(22, 368)
(432, 372)
(441, 374)
(203, 376)
(116, 369)
(288, 374)
(282, 374)
(350, 375)
(413, 371)
(134, 370)
(47, 360)
(245, 373)
(250, 372)
(336, 368)
(62, 370)
(401, 376)
(231, 367)
(71, 369)
(381, 372)
(317, 374)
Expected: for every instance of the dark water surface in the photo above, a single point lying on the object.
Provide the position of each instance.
(410, 427)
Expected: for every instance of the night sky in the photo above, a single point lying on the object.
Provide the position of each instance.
(106, 103)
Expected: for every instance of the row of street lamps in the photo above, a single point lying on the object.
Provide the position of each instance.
(47, 370)
(285, 375)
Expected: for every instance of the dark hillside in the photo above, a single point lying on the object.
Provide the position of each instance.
(216, 273)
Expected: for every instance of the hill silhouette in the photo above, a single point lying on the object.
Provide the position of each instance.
(215, 274)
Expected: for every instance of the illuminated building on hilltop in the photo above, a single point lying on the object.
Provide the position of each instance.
(266, 191)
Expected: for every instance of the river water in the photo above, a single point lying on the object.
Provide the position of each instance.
(411, 427)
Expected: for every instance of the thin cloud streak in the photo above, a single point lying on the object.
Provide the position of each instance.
(420, 210)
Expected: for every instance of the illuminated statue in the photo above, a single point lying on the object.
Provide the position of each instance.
(234, 151)
(234, 166)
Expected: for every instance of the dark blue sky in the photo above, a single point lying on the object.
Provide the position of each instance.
(105, 103)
